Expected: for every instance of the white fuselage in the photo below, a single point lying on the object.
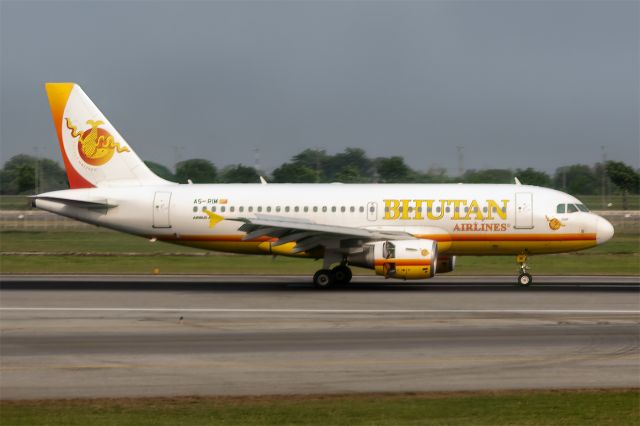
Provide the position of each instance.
(464, 219)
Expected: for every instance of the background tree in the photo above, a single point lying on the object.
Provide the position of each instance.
(531, 176)
(393, 170)
(488, 176)
(160, 170)
(434, 175)
(198, 170)
(239, 174)
(294, 173)
(349, 174)
(18, 176)
(351, 157)
(625, 178)
(577, 179)
(314, 159)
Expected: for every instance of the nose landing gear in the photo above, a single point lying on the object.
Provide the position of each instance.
(524, 278)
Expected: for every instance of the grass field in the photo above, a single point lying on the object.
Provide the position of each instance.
(105, 251)
(615, 408)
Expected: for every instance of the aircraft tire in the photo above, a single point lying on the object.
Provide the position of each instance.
(342, 274)
(323, 279)
(525, 279)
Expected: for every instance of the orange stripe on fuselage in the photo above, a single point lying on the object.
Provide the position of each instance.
(215, 238)
(437, 237)
(509, 237)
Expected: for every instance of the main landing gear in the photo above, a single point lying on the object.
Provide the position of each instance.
(524, 278)
(326, 278)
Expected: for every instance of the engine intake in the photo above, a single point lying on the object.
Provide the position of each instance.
(402, 259)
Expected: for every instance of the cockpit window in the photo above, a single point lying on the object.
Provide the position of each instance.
(571, 208)
(582, 207)
(560, 208)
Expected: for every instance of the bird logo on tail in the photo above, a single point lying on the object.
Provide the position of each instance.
(96, 146)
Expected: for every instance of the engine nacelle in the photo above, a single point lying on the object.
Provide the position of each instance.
(445, 264)
(403, 259)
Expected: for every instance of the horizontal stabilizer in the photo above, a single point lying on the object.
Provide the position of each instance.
(78, 202)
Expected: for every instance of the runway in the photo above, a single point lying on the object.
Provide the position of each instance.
(117, 336)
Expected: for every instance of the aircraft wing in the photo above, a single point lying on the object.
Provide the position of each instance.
(308, 235)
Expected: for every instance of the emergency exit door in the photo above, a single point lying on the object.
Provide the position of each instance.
(524, 210)
(161, 203)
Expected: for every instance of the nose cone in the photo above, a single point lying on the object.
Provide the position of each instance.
(604, 230)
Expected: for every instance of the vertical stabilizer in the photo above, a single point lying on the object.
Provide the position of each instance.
(93, 151)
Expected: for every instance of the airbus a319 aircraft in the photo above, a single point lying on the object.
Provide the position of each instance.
(402, 231)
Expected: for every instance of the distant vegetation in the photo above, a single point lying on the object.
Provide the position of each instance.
(24, 174)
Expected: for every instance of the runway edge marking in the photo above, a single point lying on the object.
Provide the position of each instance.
(331, 311)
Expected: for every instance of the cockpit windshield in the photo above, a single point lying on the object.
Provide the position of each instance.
(571, 208)
(582, 207)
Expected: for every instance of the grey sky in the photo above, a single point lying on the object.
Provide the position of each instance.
(518, 84)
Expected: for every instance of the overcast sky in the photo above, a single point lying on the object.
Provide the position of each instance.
(517, 83)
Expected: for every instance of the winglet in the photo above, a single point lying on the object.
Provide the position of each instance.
(263, 180)
(517, 181)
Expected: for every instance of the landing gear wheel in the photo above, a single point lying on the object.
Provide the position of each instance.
(342, 274)
(525, 279)
(323, 279)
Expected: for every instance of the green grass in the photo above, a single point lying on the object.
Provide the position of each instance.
(594, 202)
(619, 408)
(15, 202)
(621, 255)
(96, 241)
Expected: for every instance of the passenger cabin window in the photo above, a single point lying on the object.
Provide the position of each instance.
(250, 209)
(241, 209)
(560, 208)
(361, 209)
(571, 208)
(315, 209)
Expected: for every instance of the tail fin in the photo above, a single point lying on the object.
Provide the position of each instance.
(93, 151)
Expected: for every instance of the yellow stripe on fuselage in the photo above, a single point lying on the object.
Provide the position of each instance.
(456, 244)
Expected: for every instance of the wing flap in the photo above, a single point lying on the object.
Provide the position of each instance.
(307, 234)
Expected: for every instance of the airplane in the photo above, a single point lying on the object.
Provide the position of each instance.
(400, 231)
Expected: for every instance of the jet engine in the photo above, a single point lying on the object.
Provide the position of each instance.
(403, 259)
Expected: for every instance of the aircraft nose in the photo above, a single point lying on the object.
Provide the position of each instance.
(604, 230)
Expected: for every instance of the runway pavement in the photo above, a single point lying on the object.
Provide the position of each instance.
(113, 336)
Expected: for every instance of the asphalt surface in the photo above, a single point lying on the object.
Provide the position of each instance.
(113, 336)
